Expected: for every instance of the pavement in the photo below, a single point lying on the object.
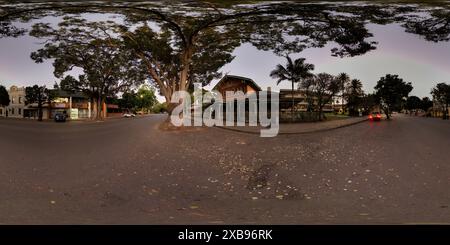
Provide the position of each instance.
(300, 128)
(131, 172)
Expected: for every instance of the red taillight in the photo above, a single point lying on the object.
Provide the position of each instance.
(370, 116)
(378, 115)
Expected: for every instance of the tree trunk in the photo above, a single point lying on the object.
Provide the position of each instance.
(445, 112)
(293, 102)
(94, 109)
(39, 111)
(320, 113)
(387, 112)
(170, 107)
(104, 108)
(99, 108)
(342, 98)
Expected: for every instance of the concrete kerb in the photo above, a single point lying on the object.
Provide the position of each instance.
(240, 130)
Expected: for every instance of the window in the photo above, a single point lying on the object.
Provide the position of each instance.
(20, 101)
(20, 109)
(13, 99)
(1, 111)
(12, 111)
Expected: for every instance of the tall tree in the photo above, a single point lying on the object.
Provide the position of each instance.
(369, 101)
(146, 98)
(306, 85)
(106, 65)
(201, 35)
(200, 44)
(70, 84)
(4, 96)
(344, 79)
(294, 72)
(426, 104)
(39, 95)
(413, 103)
(354, 95)
(324, 88)
(129, 101)
(441, 94)
(392, 91)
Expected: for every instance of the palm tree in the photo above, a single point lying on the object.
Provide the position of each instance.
(344, 79)
(354, 96)
(294, 71)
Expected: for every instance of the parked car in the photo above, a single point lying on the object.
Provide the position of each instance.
(60, 117)
(128, 115)
(375, 116)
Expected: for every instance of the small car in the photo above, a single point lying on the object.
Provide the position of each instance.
(128, 115)
(60, 117)
(375, 116)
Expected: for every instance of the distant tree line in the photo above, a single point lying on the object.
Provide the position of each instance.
(4, 96)
(441, 94)
(143, 100)
(187, 48)
(390, 94)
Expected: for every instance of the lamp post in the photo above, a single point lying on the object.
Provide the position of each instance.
(142, 108)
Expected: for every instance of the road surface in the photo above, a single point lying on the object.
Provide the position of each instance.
(128, 171)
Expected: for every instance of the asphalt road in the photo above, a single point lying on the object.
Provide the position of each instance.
(128, 171)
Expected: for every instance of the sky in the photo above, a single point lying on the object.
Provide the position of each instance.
(420, 62)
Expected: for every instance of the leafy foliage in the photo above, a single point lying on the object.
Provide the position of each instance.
(441, 94)
(344, 79)
(426, 104)
(392, 91)
(185, 42)
(159, 108)
(39, 95)
(295, 71)
(146, 98)
(142, 100)
(354, 96)
(323, 87)
(369, 101)
(128, 101)
(4, 96)
(413, 102)
(91, 46)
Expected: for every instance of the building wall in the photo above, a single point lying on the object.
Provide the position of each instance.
(234, 84)
(300, 101)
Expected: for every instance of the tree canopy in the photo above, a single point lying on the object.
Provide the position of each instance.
(39, 95)
(180, 43)
(413, 102)
(107, 66)
(294, 72)
(323, 87)
(354, 96)
(441, 94)
(392, 92)
(4, 96)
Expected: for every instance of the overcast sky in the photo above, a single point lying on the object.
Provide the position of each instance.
(411, 57)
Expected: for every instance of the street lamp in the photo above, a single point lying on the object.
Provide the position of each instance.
(142, 108)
